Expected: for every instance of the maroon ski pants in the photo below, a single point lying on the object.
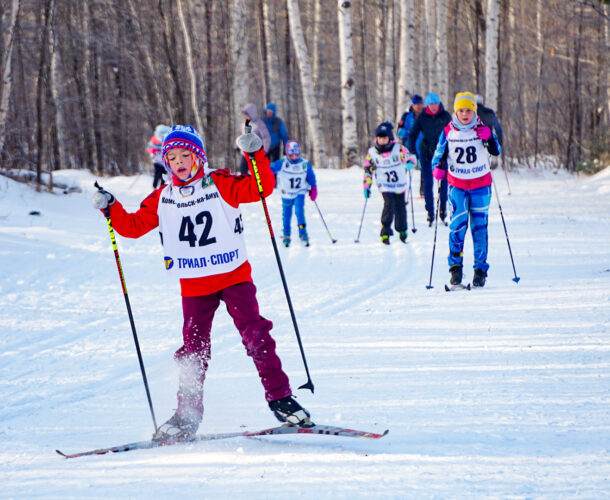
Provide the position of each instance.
(195, 354)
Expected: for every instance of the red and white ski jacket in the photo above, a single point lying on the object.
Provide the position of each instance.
(234, 189)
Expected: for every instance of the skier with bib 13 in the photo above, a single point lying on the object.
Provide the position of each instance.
(389, 162)
(295, 178)
(201, 231)
(461, 158)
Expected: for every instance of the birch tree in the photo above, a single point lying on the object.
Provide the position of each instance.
(190, 67)
(56, 86)
(311, 107)
(389, 108)
(348, 87)
(491, 53)
(380, 45)
(430, 45)
(441, 50)
(239, 59)
(406, 68)
(7, 75)
(271, 54)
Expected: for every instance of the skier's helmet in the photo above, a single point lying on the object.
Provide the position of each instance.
(293, 148)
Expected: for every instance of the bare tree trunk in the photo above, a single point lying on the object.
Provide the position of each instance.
(239, 59)
(261, 47)
(540, 68)
(56, 86)
(431, 44)
(406, 68)
(43, 71)
(317, 31)
(441, 50)
(491, 53)
(606, 48)
(348, 85)
(381, 47)
(311, 107)
(190, 67)
(7, 75)
(365, 68)
(273, 81)
(478, 19)
(389, 109)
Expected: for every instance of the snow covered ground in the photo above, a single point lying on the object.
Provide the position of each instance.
(501, 392)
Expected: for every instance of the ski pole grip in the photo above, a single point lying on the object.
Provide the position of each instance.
(106, 210)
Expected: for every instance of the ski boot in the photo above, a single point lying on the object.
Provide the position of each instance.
(303, 235)
(403, 236)
(456, 274)
(385, 239)
(430, 219)
(177, 428)
(286, 241)
(478, 280)
(442, 213)
(289, 411)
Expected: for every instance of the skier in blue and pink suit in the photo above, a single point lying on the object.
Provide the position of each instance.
(462, 158)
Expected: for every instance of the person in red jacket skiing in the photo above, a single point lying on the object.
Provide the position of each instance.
(201, 230)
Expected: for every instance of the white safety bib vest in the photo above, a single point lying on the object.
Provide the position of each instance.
(202, 234)
(292, 179)
(390, 171)
(467, 157)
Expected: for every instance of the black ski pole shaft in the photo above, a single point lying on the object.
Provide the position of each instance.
(438, 204)
(413, 229)
(309, 383)
(321, 217)
(129, 313)
(510, 252)
(361, 219)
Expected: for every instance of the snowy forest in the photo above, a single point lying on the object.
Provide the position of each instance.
(84, 83)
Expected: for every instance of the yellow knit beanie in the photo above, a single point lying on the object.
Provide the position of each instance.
(465, 100)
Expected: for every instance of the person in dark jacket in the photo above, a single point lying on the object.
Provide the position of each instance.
(489, 118)
(430, 123)
(404, 127)
(277, 131)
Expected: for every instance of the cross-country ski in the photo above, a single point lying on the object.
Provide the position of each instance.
(323, 430)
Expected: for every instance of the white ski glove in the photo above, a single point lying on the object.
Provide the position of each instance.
(102, 199)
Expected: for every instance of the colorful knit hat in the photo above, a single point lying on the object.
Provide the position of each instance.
(416, 99)
(293, 148)
(432, 98)
(385, 129)
(465, 100)
(184, 137)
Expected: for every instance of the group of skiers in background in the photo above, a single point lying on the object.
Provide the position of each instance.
(213, 265)
(450, 148)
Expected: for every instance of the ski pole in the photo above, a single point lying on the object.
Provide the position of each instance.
(361, 219)
(129, 313)
(247, 147)
(516, 278)
(438, 204)
(414, 229)
(321, 217)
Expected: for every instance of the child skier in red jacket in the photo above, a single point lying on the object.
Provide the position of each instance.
(201, 231)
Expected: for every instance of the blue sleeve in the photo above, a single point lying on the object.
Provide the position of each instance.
(283, 132)
(276, 166)
(439, 153)
(310, 176)
(493, 145)
(413, 133)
